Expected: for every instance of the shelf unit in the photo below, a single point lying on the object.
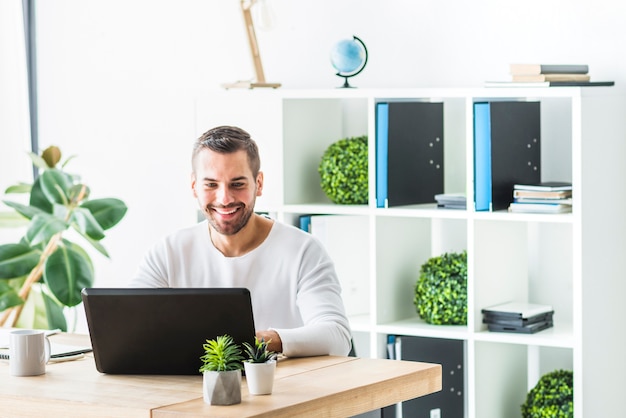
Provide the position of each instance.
(570, 261)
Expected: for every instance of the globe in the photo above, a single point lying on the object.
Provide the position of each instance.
(348, 57)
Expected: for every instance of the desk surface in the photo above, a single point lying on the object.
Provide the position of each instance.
(330, 386)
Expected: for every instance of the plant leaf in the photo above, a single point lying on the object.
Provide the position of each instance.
(87, 224)
(8, 296)
(17, 260)
(108, 212)
(19, 188)
(38, 161)
(54, 311)
(43, 227)
(38, 198)
(55, 185)
(66, 273)
(96, 244)
(12, 220)
(26, 211)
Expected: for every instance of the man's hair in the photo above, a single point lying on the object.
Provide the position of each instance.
(226, 140)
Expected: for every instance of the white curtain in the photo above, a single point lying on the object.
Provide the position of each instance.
(14, 116)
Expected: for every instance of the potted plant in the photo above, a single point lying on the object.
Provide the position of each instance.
(552, 396)
(45, 271)
(259, 367)
(221, 371)
(343, 171)
(441, 290)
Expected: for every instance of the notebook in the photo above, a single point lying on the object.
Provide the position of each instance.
(161, 331)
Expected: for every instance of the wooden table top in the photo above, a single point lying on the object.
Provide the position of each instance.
(329, 386)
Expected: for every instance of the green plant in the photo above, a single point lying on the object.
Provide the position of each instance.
(343, 171)
(259, 353)
(552, 396)
(221, 355)
(58, 203)
(441, 290)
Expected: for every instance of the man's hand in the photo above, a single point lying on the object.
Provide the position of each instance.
(275, 343)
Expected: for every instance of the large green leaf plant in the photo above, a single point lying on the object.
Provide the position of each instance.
(45, 272)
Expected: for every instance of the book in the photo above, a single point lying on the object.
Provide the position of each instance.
(545, 186)
(529, 69)
(451, 200)
(538, 194)
(525, 329)
(551, 77)
(542, 201)
(412, 172)
(518, 207)
(507, 151)
(516, 322)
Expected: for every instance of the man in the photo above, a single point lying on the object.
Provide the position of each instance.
(295, 292)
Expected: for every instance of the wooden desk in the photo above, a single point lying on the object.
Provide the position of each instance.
(326, 386)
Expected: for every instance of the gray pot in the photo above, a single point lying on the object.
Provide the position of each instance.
(222, 388)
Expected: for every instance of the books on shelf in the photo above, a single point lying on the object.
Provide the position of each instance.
(530, 69)
(409, 152)
(507, 151)
(451, 201)
(546, 197)
(546, 186)
(551, 77)
(518, 317)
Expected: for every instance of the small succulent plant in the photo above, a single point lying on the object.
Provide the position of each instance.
(259, 353)
(221, 355)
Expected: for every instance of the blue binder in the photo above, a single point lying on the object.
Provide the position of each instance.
(382, 129)
(482, 157)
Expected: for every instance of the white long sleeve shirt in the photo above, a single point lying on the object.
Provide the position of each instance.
(292, 280)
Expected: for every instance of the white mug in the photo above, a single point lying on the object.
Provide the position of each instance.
(29, 351)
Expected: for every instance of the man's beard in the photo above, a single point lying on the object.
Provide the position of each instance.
(230, 227)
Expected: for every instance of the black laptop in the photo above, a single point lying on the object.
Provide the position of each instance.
(161, 331)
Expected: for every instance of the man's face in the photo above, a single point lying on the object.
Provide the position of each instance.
(225, 189)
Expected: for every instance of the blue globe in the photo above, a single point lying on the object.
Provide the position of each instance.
(347, 56)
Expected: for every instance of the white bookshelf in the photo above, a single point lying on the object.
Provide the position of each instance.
(570, 261)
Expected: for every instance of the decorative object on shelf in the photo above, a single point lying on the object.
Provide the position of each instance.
(441, 290)
(348, 57)
(58, 202)
(259, 367)
(221, 371)
(343, 171)
(259, 81)
(552, 396)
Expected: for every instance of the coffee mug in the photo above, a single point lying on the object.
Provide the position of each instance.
(29, 351)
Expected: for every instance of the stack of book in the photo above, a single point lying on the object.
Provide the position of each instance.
(549, 75)
(548, 72)
(451, 201)
(517, 317)
(546, 197)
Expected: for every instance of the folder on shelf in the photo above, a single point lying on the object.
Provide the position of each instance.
(413, 144)
(447, 352)
(507, 150)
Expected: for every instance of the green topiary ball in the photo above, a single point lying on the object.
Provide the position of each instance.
(552, 396)
(441, 290)
(343, 171)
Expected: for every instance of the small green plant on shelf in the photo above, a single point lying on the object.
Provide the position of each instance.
(221, 355)
(259, 352)
(552, 396)
(343, 171)
(441, 290)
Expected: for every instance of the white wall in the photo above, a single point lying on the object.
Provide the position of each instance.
(118, 77)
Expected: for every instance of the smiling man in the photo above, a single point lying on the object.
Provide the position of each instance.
(296, 296)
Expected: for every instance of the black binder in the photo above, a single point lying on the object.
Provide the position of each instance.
(415, 152)
(450, 354)
(515, 151)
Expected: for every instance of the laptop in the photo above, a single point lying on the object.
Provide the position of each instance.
(162, 330)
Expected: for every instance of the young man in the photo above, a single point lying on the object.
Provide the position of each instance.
(295, 292)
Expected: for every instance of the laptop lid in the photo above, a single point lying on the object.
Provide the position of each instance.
(162, 330)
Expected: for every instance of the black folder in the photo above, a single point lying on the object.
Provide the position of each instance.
(415, 152)
(515, 150)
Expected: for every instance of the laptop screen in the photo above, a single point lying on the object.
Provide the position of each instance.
(161, 331)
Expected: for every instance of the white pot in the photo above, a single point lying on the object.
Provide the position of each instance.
(222, 388)
(260, 377)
